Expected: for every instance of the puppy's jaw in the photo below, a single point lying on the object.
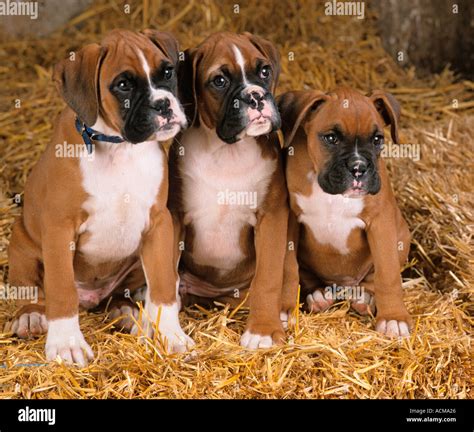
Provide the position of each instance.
(170, 132)
(259, 127)
(355, 193)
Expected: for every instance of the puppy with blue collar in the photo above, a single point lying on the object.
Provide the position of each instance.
(95, 227)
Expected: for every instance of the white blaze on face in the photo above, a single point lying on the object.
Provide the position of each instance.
(241, 62)
(178, 118)
(356, 151)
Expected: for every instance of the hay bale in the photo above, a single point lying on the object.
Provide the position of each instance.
(332, 355)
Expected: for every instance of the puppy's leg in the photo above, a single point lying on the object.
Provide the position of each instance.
(393, 318)
(64, 339)
(178, 245)
(24, 271)
(404, 239)
(161, 303)
(291, 280)
(366, 304)
(264, 327)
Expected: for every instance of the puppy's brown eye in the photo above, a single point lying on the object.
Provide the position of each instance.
(265, 72)
(219, 81)
(124, 85)
(331, 139)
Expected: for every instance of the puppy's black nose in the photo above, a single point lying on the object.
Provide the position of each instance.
(357, 167)
(162, 107)
(255, 100)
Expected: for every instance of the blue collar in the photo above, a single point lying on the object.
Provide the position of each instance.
(89, 135)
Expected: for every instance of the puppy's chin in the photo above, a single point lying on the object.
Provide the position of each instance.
(167, 133)
(354, 193)
(259, 127)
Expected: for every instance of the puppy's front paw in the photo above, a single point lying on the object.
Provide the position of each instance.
(256, 337)
(30, 321)
(65, 340)
(393, 328)
(165, 319)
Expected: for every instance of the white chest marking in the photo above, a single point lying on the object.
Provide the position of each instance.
(223, 187)
(122, 181)
(331, 218)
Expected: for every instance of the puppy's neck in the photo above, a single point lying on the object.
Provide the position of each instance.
(101, 126)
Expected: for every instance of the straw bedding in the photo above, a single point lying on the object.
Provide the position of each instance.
(336, 354)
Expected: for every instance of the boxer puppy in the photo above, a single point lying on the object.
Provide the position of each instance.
(227, 189)
(97, 224)
(345, 222)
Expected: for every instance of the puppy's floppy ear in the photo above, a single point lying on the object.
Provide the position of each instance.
(270, 52)
(187, 79)
(165, 41)
(294, 108)
(77, 80)
(389, 108)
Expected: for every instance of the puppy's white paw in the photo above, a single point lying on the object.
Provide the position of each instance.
(29, 324)
(65, 340)
(254, 341)
(393, 328)
(170, 332)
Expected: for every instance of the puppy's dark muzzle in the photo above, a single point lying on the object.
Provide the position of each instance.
(242, 99)
(254, 100)
(234, 117)
(357, 166)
